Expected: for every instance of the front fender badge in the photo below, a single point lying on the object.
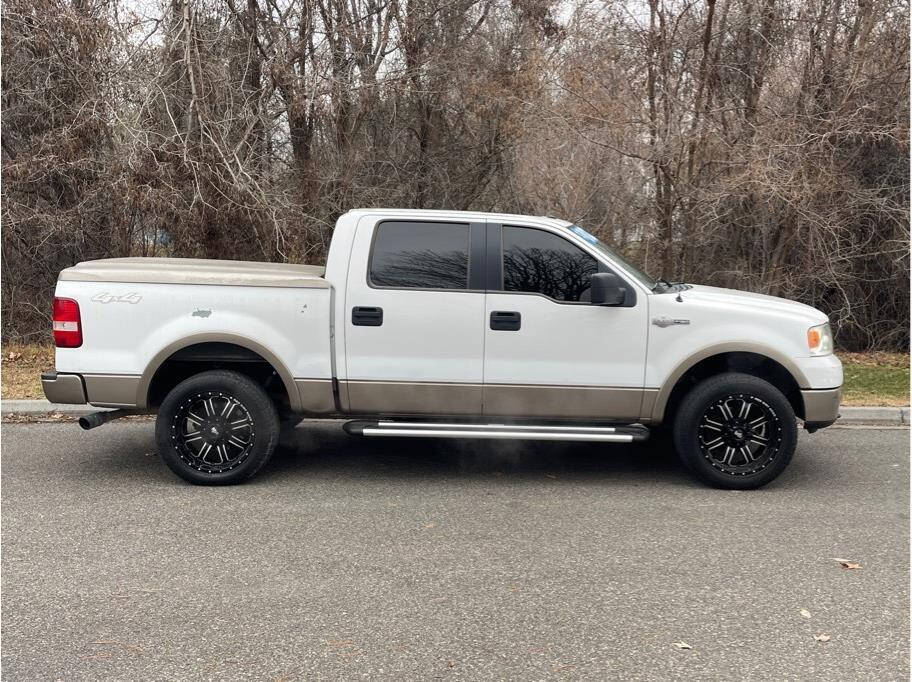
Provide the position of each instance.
(668, 321)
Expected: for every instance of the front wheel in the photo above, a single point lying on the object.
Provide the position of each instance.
(735, 431)
(216, 428)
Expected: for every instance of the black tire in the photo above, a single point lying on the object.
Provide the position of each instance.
(735, 431)
(240, 423)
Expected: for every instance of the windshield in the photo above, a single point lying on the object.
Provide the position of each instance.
(614, 256)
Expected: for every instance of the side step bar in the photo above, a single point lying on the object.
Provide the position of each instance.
(605, 434)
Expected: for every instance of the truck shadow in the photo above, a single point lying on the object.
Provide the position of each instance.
(331, 452)
(324, 451)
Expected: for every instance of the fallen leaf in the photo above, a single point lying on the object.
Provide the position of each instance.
(13, 356)
(682, 645)
(805, 613)
(845, 563)
(339, 643)
(129, 647)
(821, 638)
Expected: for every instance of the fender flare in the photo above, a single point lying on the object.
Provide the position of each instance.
(664, 393)
(145, 381)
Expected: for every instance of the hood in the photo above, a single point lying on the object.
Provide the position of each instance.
(773, 304)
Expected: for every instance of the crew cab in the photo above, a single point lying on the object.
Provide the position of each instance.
(442, 324)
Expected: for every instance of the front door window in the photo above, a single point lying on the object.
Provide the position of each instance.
(536, 261)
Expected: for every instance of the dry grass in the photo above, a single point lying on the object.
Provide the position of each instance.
(870, 378)
(875, 359)
(875, 378)
(21, 370)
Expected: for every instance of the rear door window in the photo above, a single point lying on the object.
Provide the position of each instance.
(420, 255)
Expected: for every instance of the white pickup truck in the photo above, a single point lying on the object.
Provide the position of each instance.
(442, 324)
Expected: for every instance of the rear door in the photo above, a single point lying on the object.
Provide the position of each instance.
(414, 327)
(548, 353)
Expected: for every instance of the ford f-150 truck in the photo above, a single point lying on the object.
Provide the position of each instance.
(442, 324)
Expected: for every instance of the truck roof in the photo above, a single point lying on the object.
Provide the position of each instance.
(464, 215)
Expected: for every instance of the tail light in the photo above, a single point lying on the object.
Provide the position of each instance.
(67, 326)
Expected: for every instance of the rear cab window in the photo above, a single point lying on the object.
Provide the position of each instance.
(420, 255)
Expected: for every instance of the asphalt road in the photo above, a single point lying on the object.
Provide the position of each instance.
(419, 559)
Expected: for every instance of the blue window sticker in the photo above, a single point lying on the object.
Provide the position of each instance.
(576, 229)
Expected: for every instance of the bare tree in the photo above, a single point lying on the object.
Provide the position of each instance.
(762, 144)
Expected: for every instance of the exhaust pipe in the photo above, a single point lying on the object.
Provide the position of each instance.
(90, 421)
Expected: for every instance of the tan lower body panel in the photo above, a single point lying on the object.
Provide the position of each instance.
(500, 400)
(315, 395)
(563, 402)
(821, 405)
(399, 397)
(111, 390)
(649, 400)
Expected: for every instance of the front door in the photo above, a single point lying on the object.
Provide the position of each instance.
(414, 333)
(548, 353)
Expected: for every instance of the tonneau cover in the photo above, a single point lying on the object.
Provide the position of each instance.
(197, 271)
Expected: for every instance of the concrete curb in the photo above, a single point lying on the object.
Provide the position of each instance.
(874, 415)
(40, 407)
(892, 416)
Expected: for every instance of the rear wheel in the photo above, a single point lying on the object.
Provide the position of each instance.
(216, 428)
(735, 431)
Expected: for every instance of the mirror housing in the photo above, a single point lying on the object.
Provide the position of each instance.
(607, 289)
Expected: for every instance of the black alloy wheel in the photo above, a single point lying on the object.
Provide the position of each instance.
(735, 431)
(216, 428)
(213, 432)
(740, 434)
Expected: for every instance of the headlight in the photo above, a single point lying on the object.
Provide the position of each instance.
(820, 339)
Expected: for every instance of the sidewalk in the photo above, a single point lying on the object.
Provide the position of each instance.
(878, 416)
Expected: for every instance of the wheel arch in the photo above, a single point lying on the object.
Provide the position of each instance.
(149, 386)
(753, 359)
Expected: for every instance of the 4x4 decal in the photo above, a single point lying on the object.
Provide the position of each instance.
(105, 297)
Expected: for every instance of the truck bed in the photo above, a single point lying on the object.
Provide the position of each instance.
(137, 312)
(197, 271)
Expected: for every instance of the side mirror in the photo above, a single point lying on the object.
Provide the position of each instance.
(607, 289)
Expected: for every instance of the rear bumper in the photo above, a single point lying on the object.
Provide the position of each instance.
(67, 389)
(101, 390)
(821, 407)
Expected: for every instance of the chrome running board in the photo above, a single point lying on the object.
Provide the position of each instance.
(604, 434)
